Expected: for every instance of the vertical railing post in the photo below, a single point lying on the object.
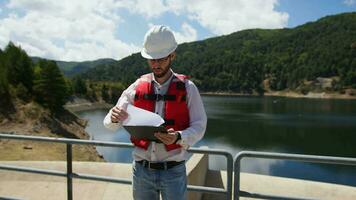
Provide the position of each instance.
(230, 167)
(69, 172)
(237, 170)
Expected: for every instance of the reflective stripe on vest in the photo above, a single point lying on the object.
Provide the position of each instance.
(176, 113)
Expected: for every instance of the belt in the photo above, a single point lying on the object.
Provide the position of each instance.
(160, 165)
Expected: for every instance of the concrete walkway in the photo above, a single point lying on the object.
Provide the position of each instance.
(288, 187)
(42, 187)
(19, 185)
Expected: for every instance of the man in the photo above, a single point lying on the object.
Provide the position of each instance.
(159, 168)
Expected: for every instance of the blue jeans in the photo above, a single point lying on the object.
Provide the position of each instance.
(148, 184)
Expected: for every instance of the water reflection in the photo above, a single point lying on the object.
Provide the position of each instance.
(308, 126)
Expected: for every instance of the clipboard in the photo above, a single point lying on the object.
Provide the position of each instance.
(145, 132)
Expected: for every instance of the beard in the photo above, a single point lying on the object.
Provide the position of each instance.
(162, 71)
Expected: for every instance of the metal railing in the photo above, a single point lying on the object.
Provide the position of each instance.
(294, 157)
(70, 174)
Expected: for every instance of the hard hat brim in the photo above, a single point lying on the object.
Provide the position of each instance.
(156, 55)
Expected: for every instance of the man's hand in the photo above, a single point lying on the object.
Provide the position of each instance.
(118, 114)
(167, 138)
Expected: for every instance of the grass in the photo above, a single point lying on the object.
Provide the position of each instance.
(14, 150)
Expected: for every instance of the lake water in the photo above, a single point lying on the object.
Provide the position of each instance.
(273, 124)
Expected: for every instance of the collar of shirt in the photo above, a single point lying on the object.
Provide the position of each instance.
(166, 82)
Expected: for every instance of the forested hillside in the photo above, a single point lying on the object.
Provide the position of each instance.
(24, 81)
(72, 68)
(243, 61)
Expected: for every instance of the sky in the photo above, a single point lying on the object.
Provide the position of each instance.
(80, 30)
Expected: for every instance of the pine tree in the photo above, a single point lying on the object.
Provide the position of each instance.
(20, 66)
(4, 84)
(105, 93)
(116, 91)
(50, 86)
(79, 86)
(6, 105)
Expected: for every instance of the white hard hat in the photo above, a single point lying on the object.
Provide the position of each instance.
(159, 42)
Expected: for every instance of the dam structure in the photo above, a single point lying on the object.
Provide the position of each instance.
(105, 181)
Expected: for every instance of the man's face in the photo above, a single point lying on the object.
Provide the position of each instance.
(160, 67)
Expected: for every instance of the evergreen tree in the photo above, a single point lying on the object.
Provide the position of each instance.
(20, 66)
(79, 86)
(116, 91)
(4, 84)
(6, 105)
(91, 94)
(70, 88)
(50, 86)
(105, 93)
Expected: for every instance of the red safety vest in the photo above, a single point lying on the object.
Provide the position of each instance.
(176, 112)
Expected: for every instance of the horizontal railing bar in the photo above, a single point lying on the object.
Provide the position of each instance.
(66, 141)
(99, 143)
(101, 178)
(196, 188)
(8, 198)
(129, 181)
(212, 151)
(33, 170)
(297, 157)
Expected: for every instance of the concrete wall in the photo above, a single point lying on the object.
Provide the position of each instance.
(197, 168)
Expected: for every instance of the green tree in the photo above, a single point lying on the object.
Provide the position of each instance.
(70, 88)
(6, 105)
(105, 93)
(20, 70)
(79, 86)
(22, 92)
(50, 86)
(116, 91)
(4, 84)
(91, 94)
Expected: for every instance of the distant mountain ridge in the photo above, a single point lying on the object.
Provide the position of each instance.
(70, 68)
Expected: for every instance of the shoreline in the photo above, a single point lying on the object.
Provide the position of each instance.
(33, 120)
(288, 94)
(85, 105)
(77, 107)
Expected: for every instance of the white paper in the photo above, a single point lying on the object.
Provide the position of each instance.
(141, 117)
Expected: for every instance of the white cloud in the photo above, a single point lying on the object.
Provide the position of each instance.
(188, 34)
(218, 16)
(227, 16)
(149, 8)
(350, 2)
(65, 30)
(87, 29)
